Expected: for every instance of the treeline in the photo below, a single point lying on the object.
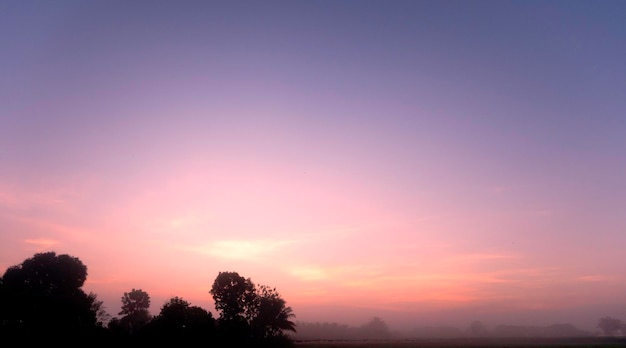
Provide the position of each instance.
(550, 331)
(478, 330)
(42, 302)
(376, 329)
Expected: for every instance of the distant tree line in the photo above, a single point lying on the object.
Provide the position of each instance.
(375, 329)
(42, 302)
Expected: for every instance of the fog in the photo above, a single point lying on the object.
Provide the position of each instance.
(429, 321)
(584, 318)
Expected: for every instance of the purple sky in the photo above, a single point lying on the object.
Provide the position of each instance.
(389, 158)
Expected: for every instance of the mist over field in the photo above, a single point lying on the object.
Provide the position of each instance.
(585, 318)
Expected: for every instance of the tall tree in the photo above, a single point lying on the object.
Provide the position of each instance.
(249, 314)
(234, 296)
(135, 301)
(271, 316)
(135, 305)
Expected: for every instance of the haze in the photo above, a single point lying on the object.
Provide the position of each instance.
(426, 162)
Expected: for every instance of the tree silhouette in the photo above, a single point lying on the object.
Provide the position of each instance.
(135, 305)
(97, 306)
(478, 329)
(376, 328)
(610, 326)
(179, 321)
(271, 315)
(234, 296)
(43, 295)
(135, 301)
(250, 315)
(173, 313)
(326, 331)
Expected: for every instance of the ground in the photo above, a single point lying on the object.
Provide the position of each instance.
(587, 342)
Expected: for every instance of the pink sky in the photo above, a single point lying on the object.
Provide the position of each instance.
(361, 170)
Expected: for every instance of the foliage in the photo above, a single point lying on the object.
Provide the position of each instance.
(376, 328)
(234, 296)
(135, 301)
(41, 301)
(610, 326)
(97, 306)
(326, 331)
(271, 315)
(179, 322)
(42, 298)
(45, 290)
(135, 305)
(247, 311)
(178, 314)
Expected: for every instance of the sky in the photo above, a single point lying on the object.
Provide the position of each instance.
(427, 162)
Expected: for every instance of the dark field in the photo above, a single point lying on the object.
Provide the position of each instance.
(586, 342)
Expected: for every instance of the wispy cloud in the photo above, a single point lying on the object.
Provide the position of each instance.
(20, 198)
(332, 233)
(594, 278)
(345, 275)
(417, 284)
(309, 273)
(476, 257)
(242, 249)
(42, 243)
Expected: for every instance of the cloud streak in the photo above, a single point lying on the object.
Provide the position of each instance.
(249, 250)
(42, 243)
